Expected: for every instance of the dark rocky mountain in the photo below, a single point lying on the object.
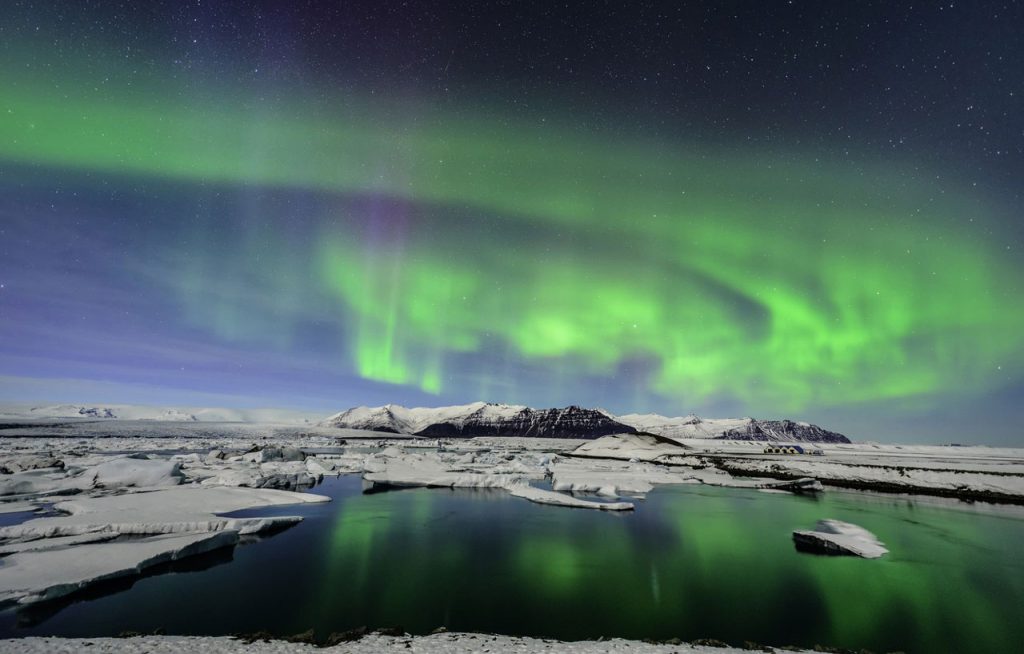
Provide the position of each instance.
(570, 422)
(783, 430)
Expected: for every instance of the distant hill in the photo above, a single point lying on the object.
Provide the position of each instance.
(154, 413)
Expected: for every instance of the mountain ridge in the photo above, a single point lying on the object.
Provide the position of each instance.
(487, 419)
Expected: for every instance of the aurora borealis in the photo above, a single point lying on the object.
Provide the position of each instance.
(207, 227)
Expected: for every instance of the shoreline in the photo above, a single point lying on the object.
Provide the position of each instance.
(362, 642)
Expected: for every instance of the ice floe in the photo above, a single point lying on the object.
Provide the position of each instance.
(52, 556)
(837, 537)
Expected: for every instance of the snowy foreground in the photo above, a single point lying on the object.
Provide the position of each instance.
(438, 643)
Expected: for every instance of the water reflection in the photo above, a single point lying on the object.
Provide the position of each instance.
(690, 562)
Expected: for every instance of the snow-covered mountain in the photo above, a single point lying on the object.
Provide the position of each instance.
(102, 412)
(689, 426)
(739, 429)
(483, 419)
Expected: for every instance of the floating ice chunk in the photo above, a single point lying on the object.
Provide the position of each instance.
(132, 471)
(836, 537)
(542, 496)
(35, 576)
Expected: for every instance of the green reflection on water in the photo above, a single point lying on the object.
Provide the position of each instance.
(950, 577)
(691, 562)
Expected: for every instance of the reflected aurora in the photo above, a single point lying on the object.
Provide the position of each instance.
(691, 562)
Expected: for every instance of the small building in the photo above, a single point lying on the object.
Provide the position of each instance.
(788, 448)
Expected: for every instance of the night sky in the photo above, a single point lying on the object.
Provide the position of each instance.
(776, 209)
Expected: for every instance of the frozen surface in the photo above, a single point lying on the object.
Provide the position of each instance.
(48, 557)
(446, 643)
(173, 510)
(34, 576)
(393, 467)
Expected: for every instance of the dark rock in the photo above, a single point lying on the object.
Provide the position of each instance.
(304, 637)
(249, 639)
(391, 631)
(570, 422)
(710, 642)
(345, 636)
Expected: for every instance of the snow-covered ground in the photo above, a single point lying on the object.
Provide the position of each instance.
(972, 473)
(444, 643)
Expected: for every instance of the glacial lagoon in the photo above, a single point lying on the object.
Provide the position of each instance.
(690, 562)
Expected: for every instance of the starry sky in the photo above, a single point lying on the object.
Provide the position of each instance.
(776, 209)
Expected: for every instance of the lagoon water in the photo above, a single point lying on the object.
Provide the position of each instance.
(691, 562)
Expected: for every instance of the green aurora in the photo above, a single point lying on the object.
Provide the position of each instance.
(775, 280)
